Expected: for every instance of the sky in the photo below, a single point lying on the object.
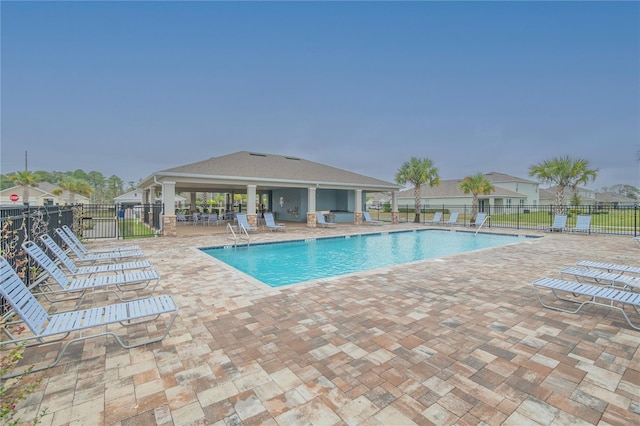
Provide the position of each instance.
(132, 88)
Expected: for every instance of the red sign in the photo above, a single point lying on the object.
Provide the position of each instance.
(14, 197)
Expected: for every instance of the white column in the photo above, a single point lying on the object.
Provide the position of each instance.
(311, 202)
(193, 200)
(394, 201)
(169, 198)
(145, 196)
(358, 200)
(251, 199)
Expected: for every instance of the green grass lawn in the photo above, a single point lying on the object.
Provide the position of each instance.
(133, 228)
(613, 221)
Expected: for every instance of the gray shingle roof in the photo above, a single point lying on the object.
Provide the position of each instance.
(501, 177)
(245, 164)
(449, 188)
(612, 197)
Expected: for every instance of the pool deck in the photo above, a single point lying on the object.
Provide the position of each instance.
(455, 340)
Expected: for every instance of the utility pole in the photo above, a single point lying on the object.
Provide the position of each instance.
(25, 189)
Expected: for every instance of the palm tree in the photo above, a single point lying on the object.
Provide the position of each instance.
(418, 171)
(476, 184)
(74, 186)
(564, 172)
(25, 179)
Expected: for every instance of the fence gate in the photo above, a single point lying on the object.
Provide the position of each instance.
(120, 221)
(99, 221)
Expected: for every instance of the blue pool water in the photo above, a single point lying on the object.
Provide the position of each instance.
(278, 264)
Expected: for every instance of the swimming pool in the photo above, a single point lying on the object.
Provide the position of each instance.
(279, 264)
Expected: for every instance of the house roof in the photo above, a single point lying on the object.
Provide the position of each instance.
(496, 177)
(48, 187)
(18, 190)
(450, 189)
(547, 193)
(612, 197)
(235, 171)
(584, 192)
(43, 188)
(136, 196)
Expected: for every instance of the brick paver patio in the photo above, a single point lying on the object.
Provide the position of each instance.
(454, 340)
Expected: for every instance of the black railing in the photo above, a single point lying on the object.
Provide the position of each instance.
(24, 223)
(115, 221)
(619, 220)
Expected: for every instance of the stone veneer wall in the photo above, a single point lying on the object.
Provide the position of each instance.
(169, 226)
(395, 217)
(357, 216)
(252, 219)
(312, 220)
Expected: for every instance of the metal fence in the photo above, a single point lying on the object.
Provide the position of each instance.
(19, 224)
(27, 223)
(115, 221)
(618, 220)
(23, 223)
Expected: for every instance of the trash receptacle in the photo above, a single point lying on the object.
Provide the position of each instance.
(330, 217)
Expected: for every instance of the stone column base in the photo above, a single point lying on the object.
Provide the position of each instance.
(357, 218)
(395, 217)
(169, 226)
(312, 220)
(252, 220)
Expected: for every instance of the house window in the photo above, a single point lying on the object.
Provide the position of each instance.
(522, 202)
(508, 202)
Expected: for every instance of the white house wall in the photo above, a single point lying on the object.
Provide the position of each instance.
(38, 198)
(529, 190)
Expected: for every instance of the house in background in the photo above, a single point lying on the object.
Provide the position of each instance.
(41, 195)
(548, 196)
(134, 198)
(377, 200)
(611, 199)
(510, 191)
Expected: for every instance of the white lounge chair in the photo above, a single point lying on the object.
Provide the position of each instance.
(323, 222)
(95, 257)
(85, 250)
(583, 224)
(75, 270)
(243, 223)
(604, 296)
(637, 240)
(45, 328)
(610, 267)
(480, 219)
(271, 224)
(559, 223)
(453, 219)
(368, 221)
(600, 276)
(437, 219)
(78, 288)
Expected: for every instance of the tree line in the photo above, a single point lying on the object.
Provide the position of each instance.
(93, 184)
